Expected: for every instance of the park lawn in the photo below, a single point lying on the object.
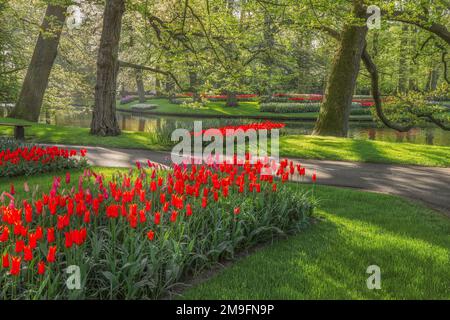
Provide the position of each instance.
(359, 150)
(328, 260)
(245, 109)
(296, 146)
(43, 133)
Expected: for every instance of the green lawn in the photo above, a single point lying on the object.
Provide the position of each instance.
(42, 133)
(245, 109)
(299, 146)
(410, 243)
(341, 149)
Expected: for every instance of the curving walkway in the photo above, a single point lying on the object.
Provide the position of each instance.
(426, 184)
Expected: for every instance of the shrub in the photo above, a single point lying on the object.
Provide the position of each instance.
(357, 109)
(289, 107)
(31, 159)
(139, 233)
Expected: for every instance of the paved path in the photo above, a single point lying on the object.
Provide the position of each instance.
(428, 185)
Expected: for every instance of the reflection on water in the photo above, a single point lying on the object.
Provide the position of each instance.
(163, 127)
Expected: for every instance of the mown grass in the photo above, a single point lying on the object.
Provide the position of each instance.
(344, 149)
(43, 133)
(297, 146)
(409, 242)
(245, 109)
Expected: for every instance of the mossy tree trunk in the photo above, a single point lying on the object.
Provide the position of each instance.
(104, 120)
(335, 110)
(232, 100)
(29, 104)
(140, 86)
(193, 86)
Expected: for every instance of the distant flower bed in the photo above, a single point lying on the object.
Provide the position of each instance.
(30, 160)
(128, 99)
(268, 125)
(305, 98)
(137, 234)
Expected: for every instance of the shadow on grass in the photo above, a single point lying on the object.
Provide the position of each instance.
(329, 261)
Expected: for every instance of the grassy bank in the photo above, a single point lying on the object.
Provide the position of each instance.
(408, 242)
(297, 146)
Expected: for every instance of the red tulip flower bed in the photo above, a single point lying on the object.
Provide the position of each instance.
(35, 159)
(268, 125)
(136, 234)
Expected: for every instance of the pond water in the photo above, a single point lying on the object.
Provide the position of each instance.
(164, 125)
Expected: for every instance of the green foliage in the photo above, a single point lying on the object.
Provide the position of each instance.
(417, 108)
(356, 110)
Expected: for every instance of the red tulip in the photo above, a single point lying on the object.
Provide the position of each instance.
(15, 265)
(51, 256)
(28, 253)
(12, 190)
(4, 235)
(314, 178)
(151, 235)
(133, 221)
(50, 235)
(237, 210)
(148, 206)
(19, 246)
(69, 241)
(157, 218)
(142, 216)
(174, 215)
(188, 210)
(5, 261)
(87, 217)
(41, 267)
(67, 177)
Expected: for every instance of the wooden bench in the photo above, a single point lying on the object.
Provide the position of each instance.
(19, 129)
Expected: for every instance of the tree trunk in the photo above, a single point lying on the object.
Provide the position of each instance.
(104, 121)
(335, 110)
(29, 105)
(434, 79)
(412, 83)
(232, 100)
(402, 63)
(140, 86)
(193, 86)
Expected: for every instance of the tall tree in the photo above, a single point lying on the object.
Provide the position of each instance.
(140, 85)
(335, 110)
(104, 121)
(29, 104)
